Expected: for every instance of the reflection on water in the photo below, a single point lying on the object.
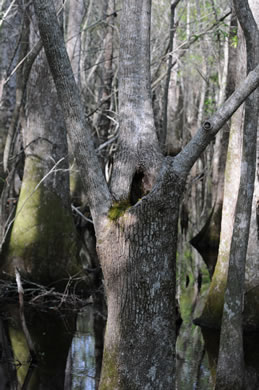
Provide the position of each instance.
(192, 368)
(82, 353)
(192, 363)
(67, 357)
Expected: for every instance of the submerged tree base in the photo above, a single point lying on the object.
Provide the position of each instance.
(43, 244)
(211, 338)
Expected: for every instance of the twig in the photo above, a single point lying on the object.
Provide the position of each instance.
(109, 141)
(81, 214)
(7, 12)
(184, 46)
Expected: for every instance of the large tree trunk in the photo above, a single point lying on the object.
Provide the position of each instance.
(136, 236)
(139, 267)
(139, 274)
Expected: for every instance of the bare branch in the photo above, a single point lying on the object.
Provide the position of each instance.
(7, 12)
(184, 46)
(191, 152)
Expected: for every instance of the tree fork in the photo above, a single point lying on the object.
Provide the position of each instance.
(137, 250)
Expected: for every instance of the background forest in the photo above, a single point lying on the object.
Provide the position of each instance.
(51, 280)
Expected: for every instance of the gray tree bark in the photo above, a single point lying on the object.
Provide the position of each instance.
(99, 197)
(212, 312)
(103, 121)
(9, 39)
(208, 239)
(231, 366)
(163, 135)
(136, 235)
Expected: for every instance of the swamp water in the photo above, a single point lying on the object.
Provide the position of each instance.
(67, 346)
(68, 355)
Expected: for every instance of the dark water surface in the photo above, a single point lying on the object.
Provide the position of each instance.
(192, 363)
(66, 347)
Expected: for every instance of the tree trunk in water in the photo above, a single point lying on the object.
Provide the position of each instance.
(212, 311)
(136, 235)
(231, 352)
(137, 252)
(52, 334)
(208, 239)
(43, 242)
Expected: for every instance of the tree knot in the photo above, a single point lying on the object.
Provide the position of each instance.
(207, 126)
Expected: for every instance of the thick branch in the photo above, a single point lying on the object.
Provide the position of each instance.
(93, 180)
(139, 148)
(191, 152)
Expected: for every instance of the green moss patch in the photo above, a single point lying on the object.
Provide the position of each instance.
(43, 242)
(118, 209)
(110, 376)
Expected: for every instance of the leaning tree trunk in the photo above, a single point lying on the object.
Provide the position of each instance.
(105, 94)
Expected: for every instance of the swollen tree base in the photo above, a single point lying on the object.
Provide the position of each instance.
(137, 252)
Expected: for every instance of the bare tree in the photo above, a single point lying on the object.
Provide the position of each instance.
(135, 222)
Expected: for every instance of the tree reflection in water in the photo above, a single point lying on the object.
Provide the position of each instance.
(81, 360)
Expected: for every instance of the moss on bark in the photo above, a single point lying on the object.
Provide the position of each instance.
(110, 375)
(43, 242)
(118, 209)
